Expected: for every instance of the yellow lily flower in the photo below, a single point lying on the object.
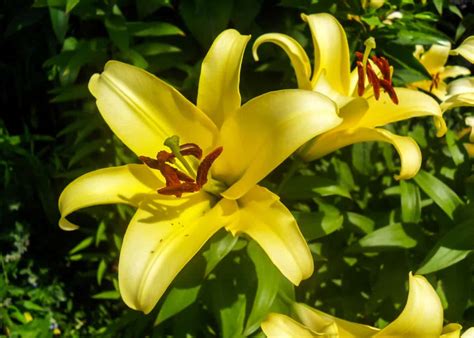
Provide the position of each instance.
(460, 93)
(465, 49)
(363, 108)
(422, 317)
(243, 143)
(434, 60)
(470, 146)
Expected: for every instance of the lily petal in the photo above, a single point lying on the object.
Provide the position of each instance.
(318, 321)
(331, 51)
(412, 103)
(126, 184)
(298, 57)
(162, 237)
(143, 111)
(281, 326)
(435, 58)
(251, 148)
(264, 218)
(454, 71)
(469, 333)
(407, 148)
(465, 49)
(219, 94)
(470, 122)
(422, 315)
(451, 331)
(460, 94)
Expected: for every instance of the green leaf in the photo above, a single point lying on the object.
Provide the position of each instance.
(59, 22)
(177, 300)
(156, 28)
(268, 285)
(70, 4)
(101, 271)
(362, 222)
(439, 6)
(147, 7)
(111, 294)
(219, 247)
(439, 192)
(391, 236)
(315, 225)
(410, 202)
(116, 26)
(156, 48)
(454, 148)
(304, 187)
(361, 158)
(85, 243)
(453, 247)
(206, 19)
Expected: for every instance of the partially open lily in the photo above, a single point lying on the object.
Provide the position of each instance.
(465, 49)
(197, 196)
(434, 60)
(422, 317)
(365, 96)
(460, 93)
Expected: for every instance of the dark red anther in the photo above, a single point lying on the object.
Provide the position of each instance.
(387, 86)
(361, 79)
(164, 156)
(205, 165)
(386, 69)
(150, 162)
(178, 190)
(191, 149)
(373, 80)
(359, 56)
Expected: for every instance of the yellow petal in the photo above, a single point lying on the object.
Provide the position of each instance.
(422, 316)
(264, 218)
(469, 333)
(412, 103)
(469, 149)
(454, 71)
(126, 184)
(407, 148)
(281, 326)
(331, 51)
(460, 94)
(143, 111)
(451, 331)
(419, 50)
(162, 237)
(318, 321)
(470, 122)
(218, 94)
(465, 49)
(296, 53)
(435, 58)
(265, 131)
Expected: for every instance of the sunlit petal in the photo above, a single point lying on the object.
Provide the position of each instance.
(412, 103)
(422, 315)
(264, 218)
(265, 131)
(281, 326)
(469, 333)
(218, 94)
(466, 49)
(126, 184)
(143, 111)
(470, 122)
(454, 71)
(318, 321)
(451, 331)
(162, 237)
(407, 148)
(296, 53)
(435, 58)
(331, 51)
(460, 94)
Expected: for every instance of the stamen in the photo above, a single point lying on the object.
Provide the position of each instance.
(366, 68)
(173, 143)
(435, 81)
(178, 182)
(206, 164)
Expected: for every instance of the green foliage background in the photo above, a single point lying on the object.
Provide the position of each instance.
(365, 229)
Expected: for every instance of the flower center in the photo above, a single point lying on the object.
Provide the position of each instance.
(435, 79)
(178, 181)
(364, 67)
